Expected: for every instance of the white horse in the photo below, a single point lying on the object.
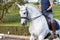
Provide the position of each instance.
(38, 24)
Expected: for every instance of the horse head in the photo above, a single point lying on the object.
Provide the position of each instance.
(23, 13)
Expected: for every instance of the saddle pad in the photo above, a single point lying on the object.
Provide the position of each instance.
(57, 25)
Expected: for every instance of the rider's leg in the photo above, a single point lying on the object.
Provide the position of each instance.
(53, 25)
(53, 29)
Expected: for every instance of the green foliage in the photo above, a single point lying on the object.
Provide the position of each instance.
(36, 3)
(10, 18)
(54, 0)
(21, 2)
(6, 4)
(56, 11)
(13, 15)
(1, 1)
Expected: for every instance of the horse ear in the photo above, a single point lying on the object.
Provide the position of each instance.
(15, 2)
(18, 4)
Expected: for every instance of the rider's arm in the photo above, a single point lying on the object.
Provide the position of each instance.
(51, 5)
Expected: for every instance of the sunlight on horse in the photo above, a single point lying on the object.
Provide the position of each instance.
(38, 24)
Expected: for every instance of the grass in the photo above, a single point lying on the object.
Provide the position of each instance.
(56, 11)
(11, 24)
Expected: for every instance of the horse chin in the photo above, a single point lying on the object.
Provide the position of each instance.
(24, 24)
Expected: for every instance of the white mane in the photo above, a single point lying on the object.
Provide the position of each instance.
(32, 6)
(33, 10)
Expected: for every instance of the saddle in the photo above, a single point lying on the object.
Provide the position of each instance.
(56, 23)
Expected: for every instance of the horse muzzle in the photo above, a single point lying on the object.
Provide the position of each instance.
(24, 23)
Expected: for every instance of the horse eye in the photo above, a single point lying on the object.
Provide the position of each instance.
(24, 13)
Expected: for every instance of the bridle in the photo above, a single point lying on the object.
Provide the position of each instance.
(30, 19)
(26, 16)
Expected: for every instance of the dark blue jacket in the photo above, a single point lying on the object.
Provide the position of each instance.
(45, 5)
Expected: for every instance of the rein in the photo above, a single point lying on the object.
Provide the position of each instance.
(31, 19)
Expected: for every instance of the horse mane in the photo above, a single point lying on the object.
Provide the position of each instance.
(33, 7)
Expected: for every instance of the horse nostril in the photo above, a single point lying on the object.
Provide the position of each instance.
(24, 13)
(23, 24)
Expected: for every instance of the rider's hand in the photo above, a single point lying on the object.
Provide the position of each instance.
(45, 11)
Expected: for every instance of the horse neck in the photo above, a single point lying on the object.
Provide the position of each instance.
(33, 11)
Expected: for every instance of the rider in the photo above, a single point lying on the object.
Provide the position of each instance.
(46, 7)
